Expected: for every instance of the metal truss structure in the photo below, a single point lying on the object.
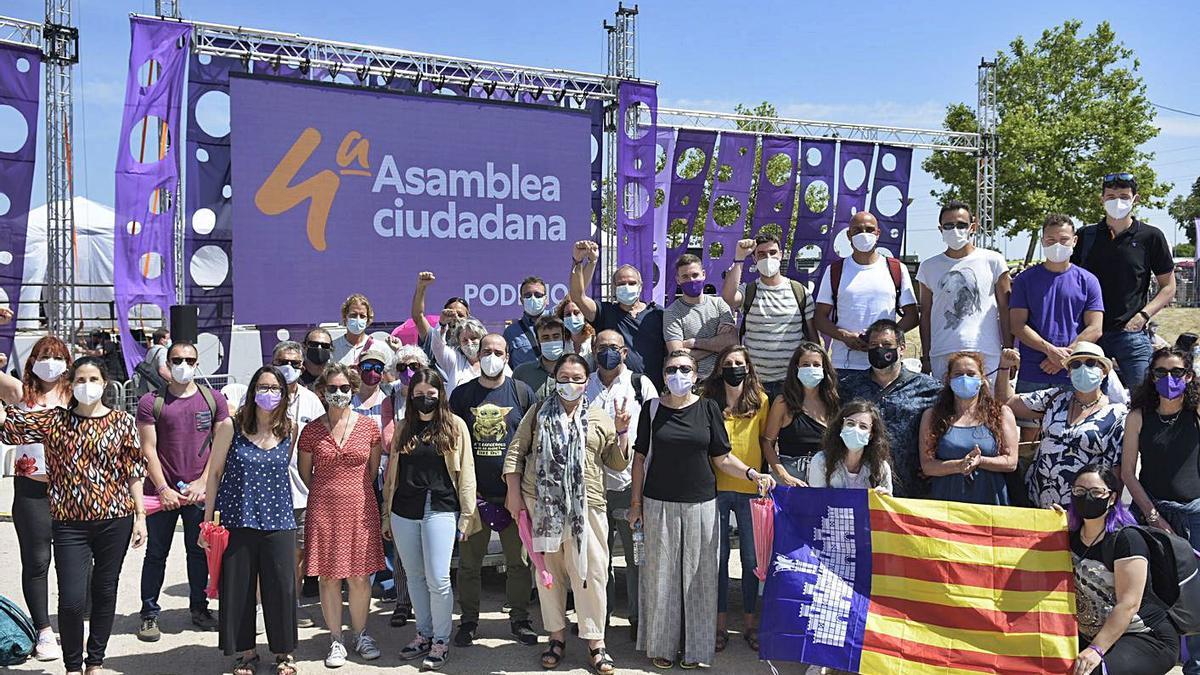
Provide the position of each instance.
(987, 116)
(170, 9)
(622, 65)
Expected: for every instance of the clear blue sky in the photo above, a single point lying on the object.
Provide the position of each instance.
(882, 63)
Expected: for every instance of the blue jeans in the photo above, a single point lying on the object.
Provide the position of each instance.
(739, 504)
(425, 547)
(160, 530)
(1189, 513)
(1132, 353)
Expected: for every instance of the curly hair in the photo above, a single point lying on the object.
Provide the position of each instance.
(827, 391)
(1145, 395)
(752, 396)
(987, 406)
(877, 452)
(561, 312)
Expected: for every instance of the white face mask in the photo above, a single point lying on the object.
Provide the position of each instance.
(1058, 253)
(183, 373)
(1118, 208)
(864, 242)
(49, 370)
(627, 294)
(768, 267)
(492, 365)
(569, 391)
(88, 393)
(956, 239)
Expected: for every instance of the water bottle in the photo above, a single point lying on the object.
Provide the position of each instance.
(639, 545)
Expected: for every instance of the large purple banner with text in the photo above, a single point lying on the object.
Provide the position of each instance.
(340, 190)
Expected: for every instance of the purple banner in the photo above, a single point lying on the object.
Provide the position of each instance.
(726, 222)
(689, 170)
(662, 201)
(147, 176)
(773, 203)
(889, 196)
(814, 220)
(20, 74)
(635, 178)
(358, 190)
(854, 160)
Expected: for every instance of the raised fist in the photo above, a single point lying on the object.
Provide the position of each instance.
(744, 248)
(424, 279)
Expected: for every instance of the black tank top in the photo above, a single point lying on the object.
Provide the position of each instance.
(802, 437)
(1170, 456)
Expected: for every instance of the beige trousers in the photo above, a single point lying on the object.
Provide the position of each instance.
(591, 602)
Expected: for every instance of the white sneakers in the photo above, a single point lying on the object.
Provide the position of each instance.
(364, 646)
(337, 655)
(47, 648)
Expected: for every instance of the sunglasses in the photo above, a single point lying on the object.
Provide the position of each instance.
(1160, 373)
(414, 366)
(368, 367)
(532, 294)
(268, 389)
(956, 225)
(1090, 363)
(1098, 493)
(319, 345)
(295, 364)
(179, 360)
(335, 388)
(1123, 177)
(671, 370)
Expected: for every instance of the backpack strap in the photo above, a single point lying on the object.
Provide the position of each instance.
(801, 294)
(637, 388)
(159, 401)
(207, 394)
(747, 303)
(897, 280)
(835, 280)
(522, 395)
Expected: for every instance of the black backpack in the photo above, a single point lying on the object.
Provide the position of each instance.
(149, 379)
(1174, 575)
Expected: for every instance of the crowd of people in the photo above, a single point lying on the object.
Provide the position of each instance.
(591, 420)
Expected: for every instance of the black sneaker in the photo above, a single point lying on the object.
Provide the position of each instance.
(523, 631)
(465, 636)
(149, 631)
(400, 615)
(203, 619)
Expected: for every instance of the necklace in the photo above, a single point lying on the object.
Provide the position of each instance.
(1169, 419)
(1087, 406)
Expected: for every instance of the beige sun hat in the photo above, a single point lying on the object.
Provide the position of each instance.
(1089, 350)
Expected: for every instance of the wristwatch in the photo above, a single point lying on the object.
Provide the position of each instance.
(1144, 315)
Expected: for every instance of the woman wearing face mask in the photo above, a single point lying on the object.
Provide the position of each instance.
(968, 438)
(580, 331)
(339, 460)
(1124, 628)
(1163, 432)
(856, 452)
(357, 314)
(250, 478)
(372, 364)
(96, 513)
(681, 439)
(799, 417)
(735, 387)
(429, 497)
(42, 386)
(1079, 426)
(456, 352)
(554, 469)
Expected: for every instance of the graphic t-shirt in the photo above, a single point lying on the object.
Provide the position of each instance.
(964, 316)
(493, 416)
(182, 432)
(865, 295)
(1056, 302)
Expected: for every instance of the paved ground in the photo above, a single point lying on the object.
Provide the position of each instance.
(183, 651)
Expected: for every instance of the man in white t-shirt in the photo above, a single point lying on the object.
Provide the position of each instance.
(869, 287)
(964, 297)
(776, 311)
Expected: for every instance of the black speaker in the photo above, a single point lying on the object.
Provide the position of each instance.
(184, 320)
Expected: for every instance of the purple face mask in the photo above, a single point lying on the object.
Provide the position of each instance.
(405, 376)
(1170, 386)
(692, 288)
(268, 400)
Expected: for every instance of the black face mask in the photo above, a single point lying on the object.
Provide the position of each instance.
(733, 375)
(317, 355)
(1089, 507)
(425, 404)
(882, 358)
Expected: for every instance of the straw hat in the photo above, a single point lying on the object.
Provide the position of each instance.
(1089, 350)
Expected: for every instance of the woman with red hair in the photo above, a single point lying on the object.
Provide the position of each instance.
(43, 385)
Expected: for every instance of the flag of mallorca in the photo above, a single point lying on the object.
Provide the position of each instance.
(868, 583)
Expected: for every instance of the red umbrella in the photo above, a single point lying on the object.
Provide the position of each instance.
(218, 539)
(762, 513)
(525, 530)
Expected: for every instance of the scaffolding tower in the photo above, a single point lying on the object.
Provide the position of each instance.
(987, 116)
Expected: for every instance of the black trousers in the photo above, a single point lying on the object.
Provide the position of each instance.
(31, 518)
(79, 544)
(1152, 653)
(258, 560)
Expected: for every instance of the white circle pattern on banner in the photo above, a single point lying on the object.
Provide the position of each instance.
(209, 266)
(14, 129)
(5, 204)
(212, 113)
(6, 258)
(203, 221)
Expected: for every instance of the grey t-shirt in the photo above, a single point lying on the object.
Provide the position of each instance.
(685, 321)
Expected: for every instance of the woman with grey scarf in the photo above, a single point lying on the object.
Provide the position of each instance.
(554, 471)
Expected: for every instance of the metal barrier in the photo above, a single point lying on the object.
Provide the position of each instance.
(124, 396)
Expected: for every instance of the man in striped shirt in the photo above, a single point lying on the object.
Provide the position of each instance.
(777, 312)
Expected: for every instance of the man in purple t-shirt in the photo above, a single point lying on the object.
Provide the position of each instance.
(1053, 306)
(177, 442)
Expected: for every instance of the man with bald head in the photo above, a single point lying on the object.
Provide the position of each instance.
(859, 290)
(612, 386)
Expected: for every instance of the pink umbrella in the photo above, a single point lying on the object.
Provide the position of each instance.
(762, 514)
(525, 529)
(218, 540)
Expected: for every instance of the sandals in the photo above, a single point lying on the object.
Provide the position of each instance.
(285, 665)
(751, 637)
(551, 658)
(602, 663)
(689, 665)
(662, 664)
(722, 640)
(245, 666)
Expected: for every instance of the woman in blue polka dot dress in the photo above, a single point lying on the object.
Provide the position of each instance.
(249, 477)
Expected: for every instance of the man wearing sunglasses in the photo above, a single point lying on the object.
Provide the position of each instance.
(1124, 252)
(177, 427)
(318, 350)
(964, 297)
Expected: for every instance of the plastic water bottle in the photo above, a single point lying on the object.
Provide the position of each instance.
(639, 545)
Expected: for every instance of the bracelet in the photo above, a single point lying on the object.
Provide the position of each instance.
(622, 433)
(1097, 650)
(1144, 314)
(748, 470)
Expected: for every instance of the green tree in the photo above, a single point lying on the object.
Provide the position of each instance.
(1071, 108)
(1185, 211)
